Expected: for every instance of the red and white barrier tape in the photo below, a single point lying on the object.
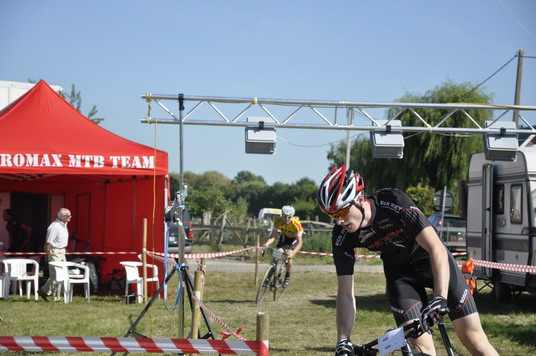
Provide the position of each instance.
(70, 253)
(170, 261)
(506, 266)
(362, 256)
(316, 253)
(205, 255)
(216, 319)
(125, 344)
(203, 306)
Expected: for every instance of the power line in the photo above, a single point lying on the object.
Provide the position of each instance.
(314, 146)
(410, 136)
(495, 73)
(488, 78)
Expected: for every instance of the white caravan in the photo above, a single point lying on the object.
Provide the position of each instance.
(501, 219)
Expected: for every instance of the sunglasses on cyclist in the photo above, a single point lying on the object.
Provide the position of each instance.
(341, 213)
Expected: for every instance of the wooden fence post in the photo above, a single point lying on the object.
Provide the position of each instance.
(263, 328)
(223, 219)
(196, 309)
(257, 247)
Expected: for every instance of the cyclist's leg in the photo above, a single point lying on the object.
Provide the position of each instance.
(290, 244)
(285, 244)
(406, 296)
(464, 314)
(472, 336)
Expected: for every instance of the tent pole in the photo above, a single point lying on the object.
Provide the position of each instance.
(181, 109)
(144, 260)
(181, 202)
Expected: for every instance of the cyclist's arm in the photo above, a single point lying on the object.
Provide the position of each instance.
(271, 238)
(345, 306)
(429, 240)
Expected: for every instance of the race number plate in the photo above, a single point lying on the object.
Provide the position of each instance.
(391, 341)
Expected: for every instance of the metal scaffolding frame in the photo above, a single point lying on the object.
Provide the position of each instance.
(317, 108)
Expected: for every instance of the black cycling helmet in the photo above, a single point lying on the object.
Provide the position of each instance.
(339, 188)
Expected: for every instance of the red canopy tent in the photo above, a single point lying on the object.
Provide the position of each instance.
(51, 151)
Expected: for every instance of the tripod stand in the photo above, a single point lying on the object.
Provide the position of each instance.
(189, 288)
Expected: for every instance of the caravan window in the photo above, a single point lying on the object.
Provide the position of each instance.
(516, 197)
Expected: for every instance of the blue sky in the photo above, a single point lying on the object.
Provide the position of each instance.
(114, 51)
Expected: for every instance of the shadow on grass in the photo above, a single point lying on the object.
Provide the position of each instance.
(520, 334)
(320, 349)
(517, 325)
(232, 301)
(526, 303)
(511, 329)
(378, 302)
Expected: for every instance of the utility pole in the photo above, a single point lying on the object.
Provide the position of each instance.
(517, 97)
(350, 117)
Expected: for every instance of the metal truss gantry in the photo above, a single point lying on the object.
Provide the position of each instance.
(320, 118)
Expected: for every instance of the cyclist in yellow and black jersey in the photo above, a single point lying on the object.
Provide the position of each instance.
(290, 232)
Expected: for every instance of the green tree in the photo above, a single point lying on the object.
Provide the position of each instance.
(306, 209)
(430, 159)
(250, 191)
(305, 188)
(277, 195)
(423, 197)
(239, 208)
(304, 193)
(247, 176)
(207, 197)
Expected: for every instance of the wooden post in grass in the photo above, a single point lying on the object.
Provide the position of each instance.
(263, 328)
(257, 245)
(144, 260)
(196, 310)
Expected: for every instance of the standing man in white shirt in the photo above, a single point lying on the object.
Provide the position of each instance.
(55, 246)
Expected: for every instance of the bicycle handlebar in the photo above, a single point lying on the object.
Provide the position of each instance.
(414, 329)
(283, 256)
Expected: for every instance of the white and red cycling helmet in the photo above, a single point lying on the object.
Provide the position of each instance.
(339, 188)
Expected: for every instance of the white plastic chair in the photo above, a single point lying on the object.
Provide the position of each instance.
(133, 277)
(16, 270)
(69, 273)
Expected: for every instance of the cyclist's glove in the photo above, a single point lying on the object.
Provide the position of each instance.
(430, 313)
(344, 348)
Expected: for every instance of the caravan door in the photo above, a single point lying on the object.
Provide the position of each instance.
(487, 218)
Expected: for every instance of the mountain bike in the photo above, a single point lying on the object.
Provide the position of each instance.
(274, 277)
(394, 341)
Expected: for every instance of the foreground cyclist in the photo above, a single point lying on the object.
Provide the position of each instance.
(414, 258)
(290, 239)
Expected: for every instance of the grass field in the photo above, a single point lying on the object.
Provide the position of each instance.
(302, 323)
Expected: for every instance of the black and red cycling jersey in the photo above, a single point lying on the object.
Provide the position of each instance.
(396, 222)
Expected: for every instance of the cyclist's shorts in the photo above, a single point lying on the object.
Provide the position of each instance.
(286, 243)
(407, 295)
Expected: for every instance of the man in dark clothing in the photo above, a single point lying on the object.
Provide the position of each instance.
(20, 235)
(414, 258)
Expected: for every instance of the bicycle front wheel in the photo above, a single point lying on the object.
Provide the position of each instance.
(265, 284)
(279, 277)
